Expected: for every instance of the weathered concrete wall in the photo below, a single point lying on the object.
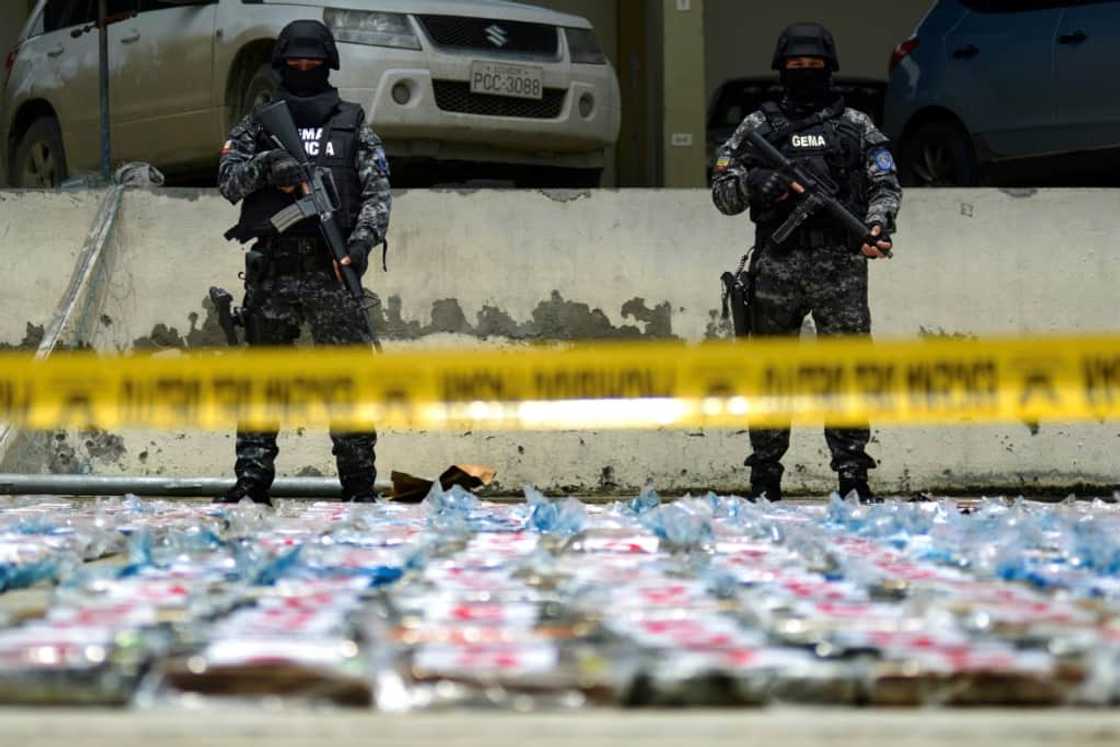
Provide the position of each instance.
(493, 268)
(41, 235)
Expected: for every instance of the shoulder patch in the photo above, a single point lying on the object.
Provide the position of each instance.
(227, 148)
(723, 164)
(882, 161)
(382, 162)
(855, 115)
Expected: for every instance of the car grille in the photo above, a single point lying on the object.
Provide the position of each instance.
(452, 96)
(488, 35)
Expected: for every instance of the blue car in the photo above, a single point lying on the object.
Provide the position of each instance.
(985, 86)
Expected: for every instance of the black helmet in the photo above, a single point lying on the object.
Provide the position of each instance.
(310, 40)
(806, 40)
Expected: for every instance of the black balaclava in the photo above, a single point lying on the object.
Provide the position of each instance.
(808, 86)
(310, 96)
(307, 83)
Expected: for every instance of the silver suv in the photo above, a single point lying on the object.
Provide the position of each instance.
(479, 87)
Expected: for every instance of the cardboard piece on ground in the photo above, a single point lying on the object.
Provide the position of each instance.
(411, 489)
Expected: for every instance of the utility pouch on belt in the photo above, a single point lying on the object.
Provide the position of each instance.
(737, 298)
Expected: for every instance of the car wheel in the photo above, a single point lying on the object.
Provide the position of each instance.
(40, 161)
(260, 90)
(939, 154)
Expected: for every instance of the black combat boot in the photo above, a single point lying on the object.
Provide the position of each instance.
(857, 485)
(771, 490)
(245, 489)
(359, 489)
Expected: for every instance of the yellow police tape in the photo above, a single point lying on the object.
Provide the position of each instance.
(653, 385)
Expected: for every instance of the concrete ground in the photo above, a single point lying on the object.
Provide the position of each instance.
(785, 727)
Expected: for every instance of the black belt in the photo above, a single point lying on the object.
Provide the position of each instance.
(293, 244)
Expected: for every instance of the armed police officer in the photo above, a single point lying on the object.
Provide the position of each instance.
(820, 268)
(294, 278)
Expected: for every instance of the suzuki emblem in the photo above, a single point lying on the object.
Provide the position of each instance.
(497, 35)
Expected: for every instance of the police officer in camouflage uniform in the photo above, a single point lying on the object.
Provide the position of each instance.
(292, 279)
(820, 269)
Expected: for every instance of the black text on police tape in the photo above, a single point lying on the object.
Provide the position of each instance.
(933, 385)
(1101, 380)
(234, 398)
(555, 385)
(15, 401)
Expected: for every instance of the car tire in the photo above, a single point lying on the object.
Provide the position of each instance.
(260, 90)
(39, 161)
(939, 154)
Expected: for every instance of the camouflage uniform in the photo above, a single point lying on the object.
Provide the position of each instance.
(825, 276)
(295, 284)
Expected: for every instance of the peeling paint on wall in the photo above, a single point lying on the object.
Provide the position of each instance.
(553, 319)
(208, 335)
(941, 334)
(566, 195)
(32, 337)
(64, 452)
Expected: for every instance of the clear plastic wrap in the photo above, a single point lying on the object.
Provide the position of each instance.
(703, 601)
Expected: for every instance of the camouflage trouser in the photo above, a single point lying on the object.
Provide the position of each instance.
(279, 305)
(829, 282)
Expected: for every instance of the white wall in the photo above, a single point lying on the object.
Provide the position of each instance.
(968, 262)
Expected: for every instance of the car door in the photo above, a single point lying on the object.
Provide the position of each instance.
(64, 60)
(162, 87)
(1087, 74)
(1000, 68)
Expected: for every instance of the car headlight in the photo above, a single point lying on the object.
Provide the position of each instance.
(373, 28)
(584, 47)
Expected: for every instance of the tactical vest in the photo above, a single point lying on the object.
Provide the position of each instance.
(829, 145)
(336, 149)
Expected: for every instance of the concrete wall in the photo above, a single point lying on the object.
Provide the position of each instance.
(741, 33)
(41, 235)
(487, 268)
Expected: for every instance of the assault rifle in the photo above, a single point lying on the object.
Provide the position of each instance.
(320, 195)
(820, 194)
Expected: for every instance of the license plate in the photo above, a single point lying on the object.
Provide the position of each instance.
(516, 81)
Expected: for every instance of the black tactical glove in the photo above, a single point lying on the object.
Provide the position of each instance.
(359, 256)
(766, 186)
(872, 240)
(282, 169)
